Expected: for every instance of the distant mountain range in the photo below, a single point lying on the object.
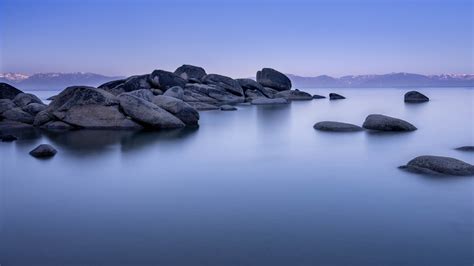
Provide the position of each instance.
(58, 81)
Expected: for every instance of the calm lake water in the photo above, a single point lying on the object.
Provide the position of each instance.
(258, 186)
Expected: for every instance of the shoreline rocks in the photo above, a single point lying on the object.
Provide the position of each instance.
(439, 165)
(380, 122)
(334, 126)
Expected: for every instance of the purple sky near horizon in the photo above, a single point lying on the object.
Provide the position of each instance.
(237, 38)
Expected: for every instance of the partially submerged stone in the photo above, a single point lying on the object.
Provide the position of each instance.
(415, 97)
(336, 126)
(43, 151)
(335, 96)
(439, 165)
(269, 101)
(386, 123)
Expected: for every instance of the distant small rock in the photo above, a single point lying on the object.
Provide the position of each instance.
(465, 148)
(8, 138)
(43, 151)
(316, 96)
(269, 101)
(335, 96)
(415, 97)
(227, 107)
(386, 123)
(336, 126)
(438, 165)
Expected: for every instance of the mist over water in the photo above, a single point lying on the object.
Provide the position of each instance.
(258, 186)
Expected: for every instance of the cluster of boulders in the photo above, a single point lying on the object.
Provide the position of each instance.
(373, 122)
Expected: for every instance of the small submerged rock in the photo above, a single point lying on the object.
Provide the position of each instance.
(386, 123)
(415, 97)
(269, 101)
(335, 96)
(439, 165)
(336, 126)
(465, 148)
(316, 96)
(294, 95)
(227, 107)
(43, 151)
(8, 138)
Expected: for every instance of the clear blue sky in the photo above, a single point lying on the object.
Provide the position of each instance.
(236, 38)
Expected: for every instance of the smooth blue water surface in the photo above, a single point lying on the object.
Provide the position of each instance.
(258, 186)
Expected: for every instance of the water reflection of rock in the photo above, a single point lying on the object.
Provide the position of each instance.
(84, 142)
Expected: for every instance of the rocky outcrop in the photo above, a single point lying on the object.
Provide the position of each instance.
(178, 108)
(8, 92)
(335, 96)
(415, 97)
(439, 165)
(386, 123)
(294, 95)
(269, 101)
(336, 126)
(164, 80)
(228, 84)
(148, 114)
(249, 84)
(43, 151)
(176, 92)
(81, 95)
(190, 72)
(269, 77)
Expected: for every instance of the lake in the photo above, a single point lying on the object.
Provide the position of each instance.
(258, 186)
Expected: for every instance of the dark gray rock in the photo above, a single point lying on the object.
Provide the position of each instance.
(156, 91)
(164, 80)
(16, 114)
(227, 107)
(415, 97)
(5, 105)
(176, 92)
(318, 97)
(190, 72)
(271, 78)
(335, 96)
(465, 148)
(51, 98)
(8, 92)
(8, 126)
(23, 99)
(112, 84)
(268, 101)
(294, 95)
(96, 117)
(229, 84)
(43, 151)
(386, 123)
(81, 95)
(8, 138)
(148, 114)
(439, 165)
(269, 92)
(249, 84)
(224, 96)
(336, 126)
(253, 94)
(178, 108)
(133, 83)
(43, 117)
(144, 94)
(57, 126)
(200, 106)
(34, 108)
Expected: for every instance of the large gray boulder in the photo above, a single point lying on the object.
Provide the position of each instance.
(386, 123)
(81, 95)
(271, 78)
(144, 94)
(415, 97)
(18, 115)
(176, 92)
(164, 80)
(294, 95)
(96, 117)
(439, 165)
(132, 83)
(43, 151)
(23, 99)
(269, 101)
(227, 83)
(7, 91)
(43, 117)
(178, 108)
(190, 72)
(147, 113)
(34, 108)
(5, 105)
(336, 126)
(115, 86)
(249, 84)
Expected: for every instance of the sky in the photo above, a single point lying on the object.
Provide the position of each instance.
(237, 38)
